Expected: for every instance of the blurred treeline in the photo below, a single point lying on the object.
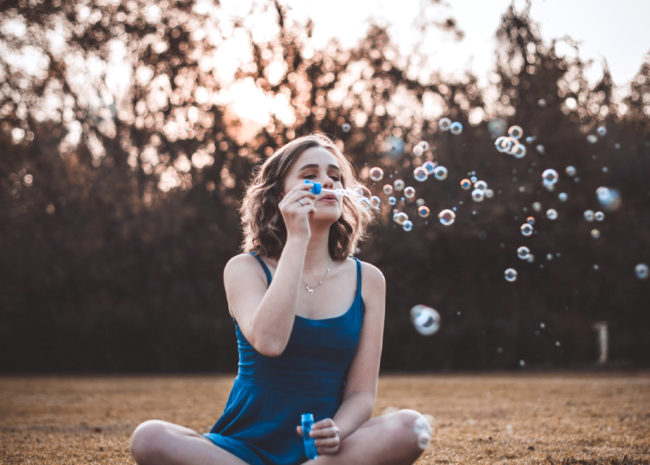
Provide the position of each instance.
(104, 270)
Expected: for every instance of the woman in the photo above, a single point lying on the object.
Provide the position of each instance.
(299, 352)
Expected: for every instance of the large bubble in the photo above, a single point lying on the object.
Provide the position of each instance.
(444, 124)
(549, 176)
(456, 128)
(426, 320)
(510, 274)
(440, 173)
(447, 217)
(376, 173)
(420, 174)
(641, 271)
(515, 131)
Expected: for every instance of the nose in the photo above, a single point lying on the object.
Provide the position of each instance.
(327, 182)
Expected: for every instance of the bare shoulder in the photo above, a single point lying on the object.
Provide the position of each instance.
(242, 265)
(373, 279)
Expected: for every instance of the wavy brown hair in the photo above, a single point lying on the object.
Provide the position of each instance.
(263, 225)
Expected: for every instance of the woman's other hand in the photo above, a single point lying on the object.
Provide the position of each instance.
(326, 436)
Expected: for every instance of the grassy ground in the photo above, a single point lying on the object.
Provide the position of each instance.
(556, 418)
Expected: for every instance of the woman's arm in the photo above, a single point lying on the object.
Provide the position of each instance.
(266, 316)
(361, 386)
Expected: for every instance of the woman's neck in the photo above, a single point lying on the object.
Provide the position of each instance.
(317, 250)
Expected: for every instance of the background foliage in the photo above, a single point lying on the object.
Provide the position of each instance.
(106, 268)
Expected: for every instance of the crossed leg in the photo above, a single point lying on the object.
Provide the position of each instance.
(390, 439)
(157, 442)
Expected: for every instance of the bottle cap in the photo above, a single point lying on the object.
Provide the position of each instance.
(306, 417)
(315, 188)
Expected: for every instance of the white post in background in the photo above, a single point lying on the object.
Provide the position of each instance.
(603, 337)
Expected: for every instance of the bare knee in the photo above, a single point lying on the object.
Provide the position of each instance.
(414, 430)
(147, 442)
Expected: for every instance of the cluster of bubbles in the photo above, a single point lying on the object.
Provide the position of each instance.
(479, 188)
(426, 320)
(510, 144)
(455, 127)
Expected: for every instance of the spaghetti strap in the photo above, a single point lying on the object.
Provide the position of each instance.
(266, 268)
(358, 277)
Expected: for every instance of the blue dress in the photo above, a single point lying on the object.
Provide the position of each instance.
(269, 394)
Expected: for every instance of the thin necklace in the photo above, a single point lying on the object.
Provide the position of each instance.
(311, 289)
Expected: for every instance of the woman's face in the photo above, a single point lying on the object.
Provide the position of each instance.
(318, 164)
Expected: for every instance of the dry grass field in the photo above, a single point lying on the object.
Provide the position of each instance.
(549, 418)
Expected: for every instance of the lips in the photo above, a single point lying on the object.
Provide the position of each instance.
(328, 197)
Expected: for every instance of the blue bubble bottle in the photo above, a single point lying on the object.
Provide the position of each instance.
(306, 420)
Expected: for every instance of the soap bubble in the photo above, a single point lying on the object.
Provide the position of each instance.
(526, 229)
(537, 206)
(562, 196)
(429, 166)
(407, 226)
(541, 103)
(364, 202)
(530, 258)
(421, 148)
(388, 189)
(400, 218)
(599, 216)
(478, 195)
(523, 252)
(549, 176)
(440, 173)
(420, 202)
(393, 146)
(610, 199)
(398, 184)
(515, 131)
(447, 217)
(473, 179)
(409, 192)
(504, 144)
(420, 174)
(641, 271)
(346, 127)
(592, 139)
(423, 211)
(595, 233)
(539, 148)
(444, 124)
(497, 127)
(530, 139)
(589, 215)
(376, 173)
(551, 214)
(480, 184)
(530, 220)
(456, 128)
(375, 201)
(489, 193)
(425, 319)
(570, 170)
(510, 274)
(601, 131)
(465, 184)
(392, 200)
(518, 150)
